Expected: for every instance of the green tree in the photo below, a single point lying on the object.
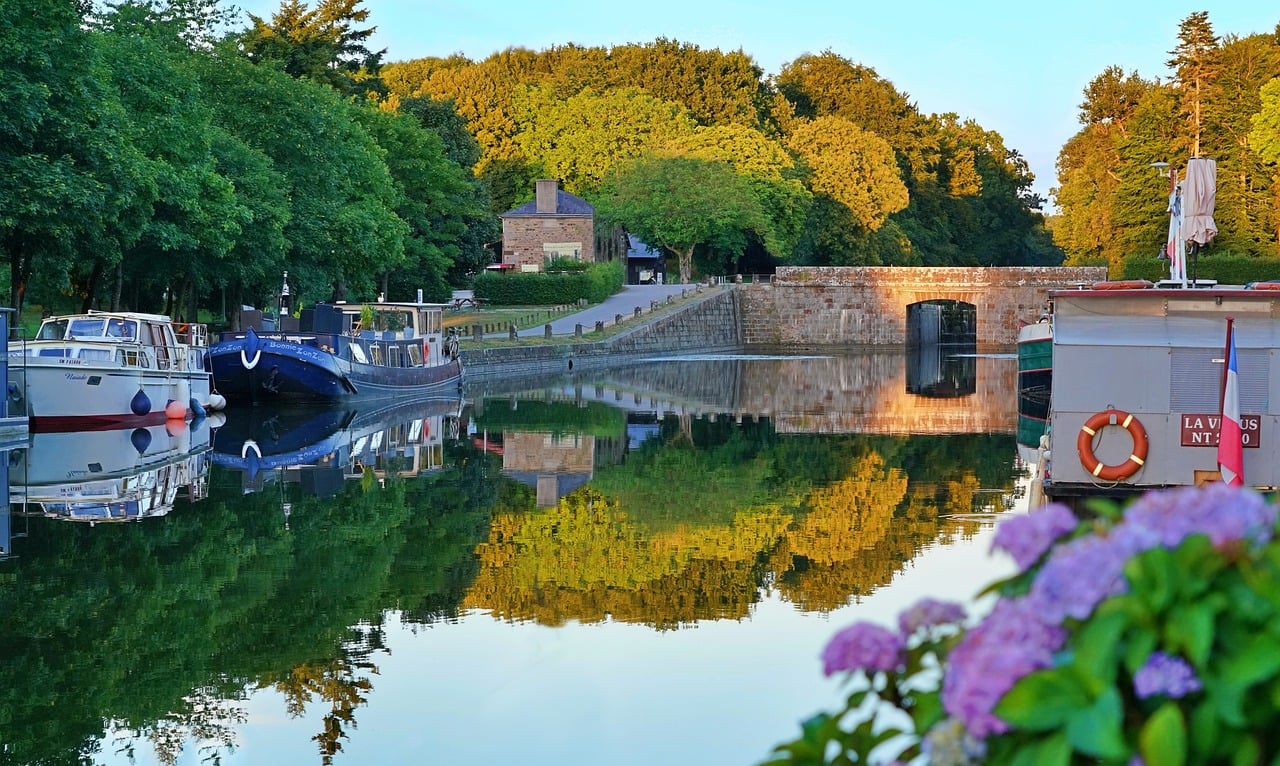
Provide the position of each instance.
(851, 166)
(1194, 62)
(680, 203)
(326, 44)
(579, 139)
(64, 146)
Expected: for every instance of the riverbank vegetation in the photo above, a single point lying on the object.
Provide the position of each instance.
(170, 155)
(1222, 102)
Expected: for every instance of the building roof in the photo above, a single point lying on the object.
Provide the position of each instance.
(566, 204)
(638, 248)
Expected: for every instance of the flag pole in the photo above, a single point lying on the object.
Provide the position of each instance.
(1226, 363)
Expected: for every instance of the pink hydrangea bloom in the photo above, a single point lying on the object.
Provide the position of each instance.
(863, 646)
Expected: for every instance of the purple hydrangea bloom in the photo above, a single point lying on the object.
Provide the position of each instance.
(1221, 512)
(929, 613)
(1026, 538)
(1081, 574)
(863, 646)
(1167, 675)
(1011, 642)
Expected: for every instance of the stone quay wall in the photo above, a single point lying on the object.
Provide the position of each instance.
(709, 325)
(861, 306)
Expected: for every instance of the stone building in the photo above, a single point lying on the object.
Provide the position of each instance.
(555, 223)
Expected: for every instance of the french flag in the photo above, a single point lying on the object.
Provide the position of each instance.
(1230, 440)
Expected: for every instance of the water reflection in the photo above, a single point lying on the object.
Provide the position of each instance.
(662, 496)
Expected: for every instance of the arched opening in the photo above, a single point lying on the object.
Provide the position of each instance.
(944, 322)
(942, 340)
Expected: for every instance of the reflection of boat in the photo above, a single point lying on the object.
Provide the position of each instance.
(111, 475)
(336, 355)
(108, 370)
(404, 437)
(1138, 381)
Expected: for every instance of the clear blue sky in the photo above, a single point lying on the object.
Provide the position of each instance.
(1018, 68)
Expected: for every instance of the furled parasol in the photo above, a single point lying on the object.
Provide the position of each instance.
(1198, 193)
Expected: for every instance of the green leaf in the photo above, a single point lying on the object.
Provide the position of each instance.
(1162, 740)
(1097, 730)
(1054, 750)
(1153, 578)
(1190, 628)
(1257, 660)
(927, 710)
(1097, 646)
(1043, 700)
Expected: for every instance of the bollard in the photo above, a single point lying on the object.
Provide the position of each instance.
(617, 319)
(511, 333)
(577, 331)
(546, 331)
(477, 332)
(600, 326)
(637, 312)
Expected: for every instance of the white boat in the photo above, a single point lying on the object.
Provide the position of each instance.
(111, 475)
(110, 370)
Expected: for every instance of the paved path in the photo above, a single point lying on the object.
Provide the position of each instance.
(623, 302)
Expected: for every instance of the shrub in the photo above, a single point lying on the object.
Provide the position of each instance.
(1226, 267)
(597, 282)
(1148, 636)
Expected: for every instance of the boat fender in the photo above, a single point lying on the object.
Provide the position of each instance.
(1100, 420)
(251, 345)
(197, 409)
(250, 446)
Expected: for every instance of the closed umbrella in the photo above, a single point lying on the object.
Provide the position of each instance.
(1198, 193)
(1173, 249)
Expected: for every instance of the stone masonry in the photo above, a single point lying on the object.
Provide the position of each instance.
(867, 306)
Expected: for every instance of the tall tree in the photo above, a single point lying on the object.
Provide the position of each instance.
(680, 203)
(852, 166)
(327, 44)
(1194, 62)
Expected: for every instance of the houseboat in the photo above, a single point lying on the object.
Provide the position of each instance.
(341, 351)
(110, 370)
(1138, 383)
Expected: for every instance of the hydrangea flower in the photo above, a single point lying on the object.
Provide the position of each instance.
(1225, 514)
(863, 646)
(1026, 538)
(1165, 674)
(930, 613)
(1011, 642)
(1081, 574)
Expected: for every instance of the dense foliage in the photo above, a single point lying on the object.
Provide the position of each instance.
(151, 160)
(1216, 105)
(836, 166)
(1146, 635)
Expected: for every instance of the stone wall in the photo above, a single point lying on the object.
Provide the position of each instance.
(524, 236)
(709, 325)
(857, 306)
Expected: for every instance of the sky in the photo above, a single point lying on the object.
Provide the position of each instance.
(1018, 68)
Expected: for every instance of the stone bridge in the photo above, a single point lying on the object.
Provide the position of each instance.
(867, 305)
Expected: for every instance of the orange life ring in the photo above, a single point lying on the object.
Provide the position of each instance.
(1084, 445)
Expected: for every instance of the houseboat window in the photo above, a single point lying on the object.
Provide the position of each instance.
(375, 354)
(415, 355)
(87, 328)
(54, 352)
(96, 354)
(357, 353)
(53, 330)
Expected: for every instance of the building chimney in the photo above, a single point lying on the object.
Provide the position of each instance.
(546, 191)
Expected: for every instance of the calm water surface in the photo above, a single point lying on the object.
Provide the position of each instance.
(633, 567)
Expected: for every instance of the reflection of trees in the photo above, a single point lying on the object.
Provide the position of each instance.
(149, 625)
(586, 559)
(678, 534)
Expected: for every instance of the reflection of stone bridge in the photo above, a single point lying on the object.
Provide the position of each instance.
(869, 392)
(867, 305)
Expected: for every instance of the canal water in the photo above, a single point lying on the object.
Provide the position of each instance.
(634, 566)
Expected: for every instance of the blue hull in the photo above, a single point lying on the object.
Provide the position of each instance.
(318, 368)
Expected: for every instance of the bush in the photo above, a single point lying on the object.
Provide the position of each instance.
(597, 282)
(1148, 636)
(1226, 267)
